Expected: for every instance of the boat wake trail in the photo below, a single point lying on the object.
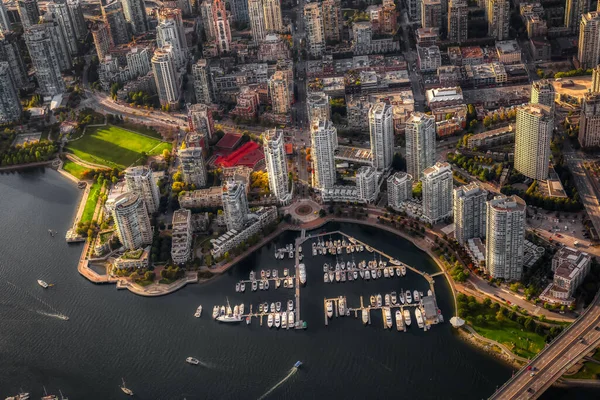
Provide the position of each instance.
(58, 316)
(281, 382)
(55, 313)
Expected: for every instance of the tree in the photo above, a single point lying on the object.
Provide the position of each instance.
(499, 316)
(487, 302)
(149, 275)
(487, 121)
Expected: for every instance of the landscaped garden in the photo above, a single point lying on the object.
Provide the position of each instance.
(90, 204)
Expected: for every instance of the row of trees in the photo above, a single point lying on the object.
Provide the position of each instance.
(475, 166)
(546, 202)
(499, 116)
(28, 153)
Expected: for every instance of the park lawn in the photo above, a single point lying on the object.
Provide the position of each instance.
(114, 147)
(590, 370)
(90, 204)
(74, 169)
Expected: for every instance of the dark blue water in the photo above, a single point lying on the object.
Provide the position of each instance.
(113, 334)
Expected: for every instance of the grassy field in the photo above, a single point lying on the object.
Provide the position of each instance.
(590, 370)
(90, 204)
(74, 169)
(114, 147)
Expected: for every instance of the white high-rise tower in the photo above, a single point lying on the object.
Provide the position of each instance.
(381, 127)
(273, 145)
(420, 143)
(323, 136)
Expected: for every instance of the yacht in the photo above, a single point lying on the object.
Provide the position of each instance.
(215, 313)
(278, 306)
(406, 314)
(337, 276)
(386, 273)
(399, 321)
(277, 283)
(272, 308)
(268, 273)
(373, 301)
(284, 320)
(416, 296)
(419, 316)
(261, 285)
(398, 272)
(192, 360)
(291, 319)
(329, 309)
(379, 300)
(394, 298)
(243, 287)
(230, 316)
(124, 388)
(277, 320)
(42, 284)
(290, 305)
(367, 275)
(326, 277)
(254, 286)
(365, 316)
(388, 317)
(408, 297)
(198, 312)
(331, 276)
(252, 275)
(20, 396)
(302, 268)
(386, 299)
(403, 268)
(266, 285)
(342, 305)
(270, 321)
(355, 274)
(286, 272)
(237, 287)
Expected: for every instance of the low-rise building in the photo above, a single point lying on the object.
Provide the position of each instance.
(495, 137)
(399, 189)
(428, 58)
(366, 184)
(449, 75)
(341, 194)
(181, 244)
(508, 51)
(444, 97)
(486, 74)
(210, 197)
(427, 36)
(471, 55)
(570, 268)
(133, 259)
(476, 250)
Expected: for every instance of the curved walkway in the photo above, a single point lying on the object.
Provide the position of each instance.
(502, 347)
(157, 289)
(77, 160)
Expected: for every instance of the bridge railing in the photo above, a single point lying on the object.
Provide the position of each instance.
(564, 332)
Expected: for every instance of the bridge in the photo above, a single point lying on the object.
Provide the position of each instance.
(561, 354)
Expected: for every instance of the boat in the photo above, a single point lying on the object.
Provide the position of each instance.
(20, 396)
(379, 300)
(285, 283)
(290, 305)
(261, 285)
(329, 308)
(237, 287)
(248, 320)
(399, 321)
(401, 297)
(403, 268)
(302, 268)
(331, 276)
(277, 283)
(284, 320)
(42, 284)
(325, 267)
(386, 273)
(350, 276)
(342, 306)
(192, 360)
(373, 301)
(386, 299)
(254, 286)
(369, 249)
(388, 317)
(252, 275)
(198, 312)
(277, 320)
(394, 298)
(355, 274)
(54, 397)
(241, 309)
(222, 310)
(262, 273)
(270, 321)
(398, 272)
(379, 273)
(367, 275)
(343, 265)
(274, 273)
(266, 285)
(278, 306)
(266, 307)
(299, 249)
(124, 388)
(362, 274)
(230, 316)
(286, 272)
(260, 308)
(291, 254)
(291, 319)
(337, 276)
(416, 296)
(326, 277)
(419, 316)
(391, 271)
(268, 273)
(298, 364)
(343, 276)
(243, 287)
(406, 314)
(408, 297)
(272, 308)
(365, 316)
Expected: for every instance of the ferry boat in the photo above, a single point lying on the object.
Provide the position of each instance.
(270, 321)
(290, 305)
(398, 272)
(277, 320)
(379, 300)
(373, 301)
(237, 287)
(386, 299)
(302, 268)
(278, 306)
(408, 297)
(284, 320)
(42, 284)
(254, 286)
(20, 396)
(419, 316)
(406, 314)
(291, 319)
(124, 388)
(416, 296)
(342, 306)
(399, 321)
(192, 360)
(394, 298)
(331, 276)
(329, 309)
(388, 317)
(272, 308)
(365, 316)
(198, 312)
(243, 287)
(326, 277)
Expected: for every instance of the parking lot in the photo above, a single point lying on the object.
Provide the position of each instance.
(566, 228)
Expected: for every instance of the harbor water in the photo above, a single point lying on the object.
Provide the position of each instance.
(115, 334)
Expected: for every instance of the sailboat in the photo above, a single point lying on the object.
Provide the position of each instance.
(125, 389)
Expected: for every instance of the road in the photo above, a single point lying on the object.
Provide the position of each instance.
(585, 186)
(552, 362)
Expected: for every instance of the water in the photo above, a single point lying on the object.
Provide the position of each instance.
(113, 334)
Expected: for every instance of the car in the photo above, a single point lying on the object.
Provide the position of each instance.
(529, 368)
(530, 390)
(532, 374)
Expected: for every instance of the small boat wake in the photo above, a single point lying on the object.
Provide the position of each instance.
(54, 312)
(281, 382)
(58, 316)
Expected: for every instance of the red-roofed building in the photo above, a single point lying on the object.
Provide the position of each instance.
(249, 154)
(228, 142)
(289, 149)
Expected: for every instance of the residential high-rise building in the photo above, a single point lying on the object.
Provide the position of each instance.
(573, 11)
(542, 92)
(200, 120)
(165, 76)
(437, 192)
(332, 20)
(116, 23)
(279, 93)
(10, 106)
(64, 17)
(388, 19)
(77, 19)
(5, 24)
(239, 11)
(505, 236)
(362, 35)
(181, 244)
(221, 23)
(532, 140)
(399, 189)
(193, 168)
(272, 14)
(174, 14)
(55, 31)
(381, 128)
(318, 107)
(315, 31)
(431, 13)
(235, 205)
(273, 145)
(498, 14)
(132, 221)
(414, 10)
(256, 15)
(208, 23)
(167, 33)
(595, 79)
(588, 51)
(469, 212)
(138, 61)
(202, 82)
(135, 14)
(458, 17)
(366, 183)
(323, 137)
(140, 180)
(45, 50)
(10, 52)
(29, 12)
(589, 121)
(102, 39)
(420, 143)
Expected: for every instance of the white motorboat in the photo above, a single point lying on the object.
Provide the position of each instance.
(388, 317)
(266, 285)
(241, 309)
(243, 287)
(362, 274)
(236, 310)
(408, 297)
(343, 276)
(278, 306)
(342, 306)
(268, 273)
(373, 301)
(326, 277)
(198, 313)
(386, 299)
(286, 272)
(379, 273)
(42, 284)
(20, 396)
(331, 276)
(230, 316)
(386, 273)
(291, 254)
(325, 267)
(391, 272)
(406, 314)
(398, 272)
(416, 296)
(302, 269)
(124, 388)
(350, 276)
(237, 287)
(254, 286)
(252, 275)
(272, 309)
(260, 308)
(403, 268)
(355, 274)
(399, 321)
(394, 298)
(379, 300)
(248, 320)
(419, 316)
(291, 319)
(261, 285)
(277, 283)
(329, 309)
(284, 320)
(285, 283)
(290, 305)
(367, 275)
(365, 316)
(401, 297)
(215, 313)
(192, 360)
(270, 321)
(290, 283)
(337, 276)
(429, 293)
(274, 273)
(277, 320)
(263, 273)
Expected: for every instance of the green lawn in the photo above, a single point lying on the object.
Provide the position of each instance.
(90, 204)
(590, 370)
(141, 129)
(74, 169)
(114, 147)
